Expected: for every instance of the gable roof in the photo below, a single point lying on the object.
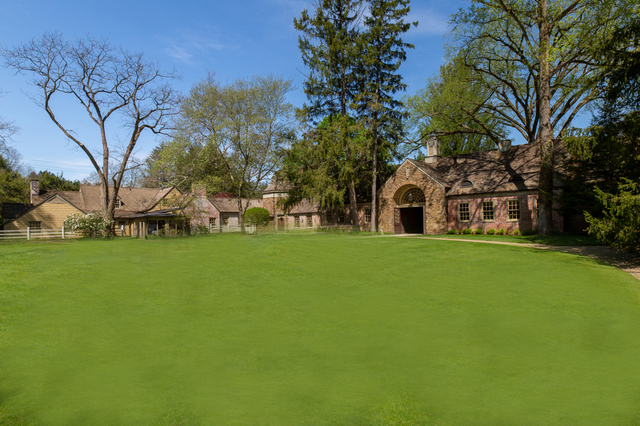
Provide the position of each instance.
(489, 171)
(88, 199)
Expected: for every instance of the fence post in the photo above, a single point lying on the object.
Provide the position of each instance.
(63, 232)
(28, 232)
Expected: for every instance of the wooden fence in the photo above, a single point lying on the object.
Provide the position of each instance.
(34, 233)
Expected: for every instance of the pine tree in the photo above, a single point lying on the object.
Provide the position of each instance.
(329, 47)
(379, 80)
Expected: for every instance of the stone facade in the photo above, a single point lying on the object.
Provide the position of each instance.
(406, 177)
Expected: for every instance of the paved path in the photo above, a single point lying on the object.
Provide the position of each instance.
(626, 261)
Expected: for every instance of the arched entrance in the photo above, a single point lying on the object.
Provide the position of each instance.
(409, 214)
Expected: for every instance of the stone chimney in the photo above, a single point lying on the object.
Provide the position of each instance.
(504, 145)
(34, 188)
(433, 149)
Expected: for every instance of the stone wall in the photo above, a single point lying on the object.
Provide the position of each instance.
(409, 175)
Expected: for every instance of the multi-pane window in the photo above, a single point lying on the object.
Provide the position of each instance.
(487, 211)
(35, 225)
(212, 221)
(118, 204)
(296, 221)
(513, 209)
(367, 215)
(309, 221)
(464, 214)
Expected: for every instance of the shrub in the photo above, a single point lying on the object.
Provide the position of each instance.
(491, 231)
(257, 216)
(620, 225)
(467, 231)
(516, 232)
(90, 225)
(478, 231)
(451, 231)
(500, 231)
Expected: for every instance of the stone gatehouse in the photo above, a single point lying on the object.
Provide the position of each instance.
(491, 189)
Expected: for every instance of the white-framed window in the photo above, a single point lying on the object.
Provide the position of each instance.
(513, 209)
(488, 214)
(212, 221)
(367, 215)
(119, 203)
(296, 221)
(309, 221)
(36, 226)
(464, 212)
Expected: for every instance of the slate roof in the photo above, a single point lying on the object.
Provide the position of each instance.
(305, 206)
(277, 186)
(489, 171)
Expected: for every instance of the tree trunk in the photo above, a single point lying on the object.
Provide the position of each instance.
(545, 133)
(241, 216)
(353, 203)
(374, 187)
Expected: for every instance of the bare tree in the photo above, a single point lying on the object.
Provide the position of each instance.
(110, 83)
(7, 129)
(246, 124)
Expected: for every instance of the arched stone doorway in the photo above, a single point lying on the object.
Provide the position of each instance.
(409, 212)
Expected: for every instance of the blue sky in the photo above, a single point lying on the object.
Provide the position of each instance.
(233, 39)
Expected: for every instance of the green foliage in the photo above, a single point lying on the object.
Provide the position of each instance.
(49, 181)
(230, 137)
(451, 232)
(90, 225)
(257, 216)
(620, 226)
(13, 187)
(478, 231)
(500, 231)
(600, 157)
(442, 107)
(317, 165)
(467, 231)
(516, 232)
(491, 231)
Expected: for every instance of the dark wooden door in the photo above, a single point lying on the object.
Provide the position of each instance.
(397, 223)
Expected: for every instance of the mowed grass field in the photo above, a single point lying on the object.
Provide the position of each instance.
(314, 329)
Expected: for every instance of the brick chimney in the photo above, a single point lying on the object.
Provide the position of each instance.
(433, 149)
(34, 188)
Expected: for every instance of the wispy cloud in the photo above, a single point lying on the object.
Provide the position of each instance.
(429, 22)
(187, 45)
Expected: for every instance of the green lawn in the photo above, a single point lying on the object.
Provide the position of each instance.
(314, 329)
(555, 239)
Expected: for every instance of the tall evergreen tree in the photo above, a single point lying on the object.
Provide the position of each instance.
(329, 47)
(380, 81)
